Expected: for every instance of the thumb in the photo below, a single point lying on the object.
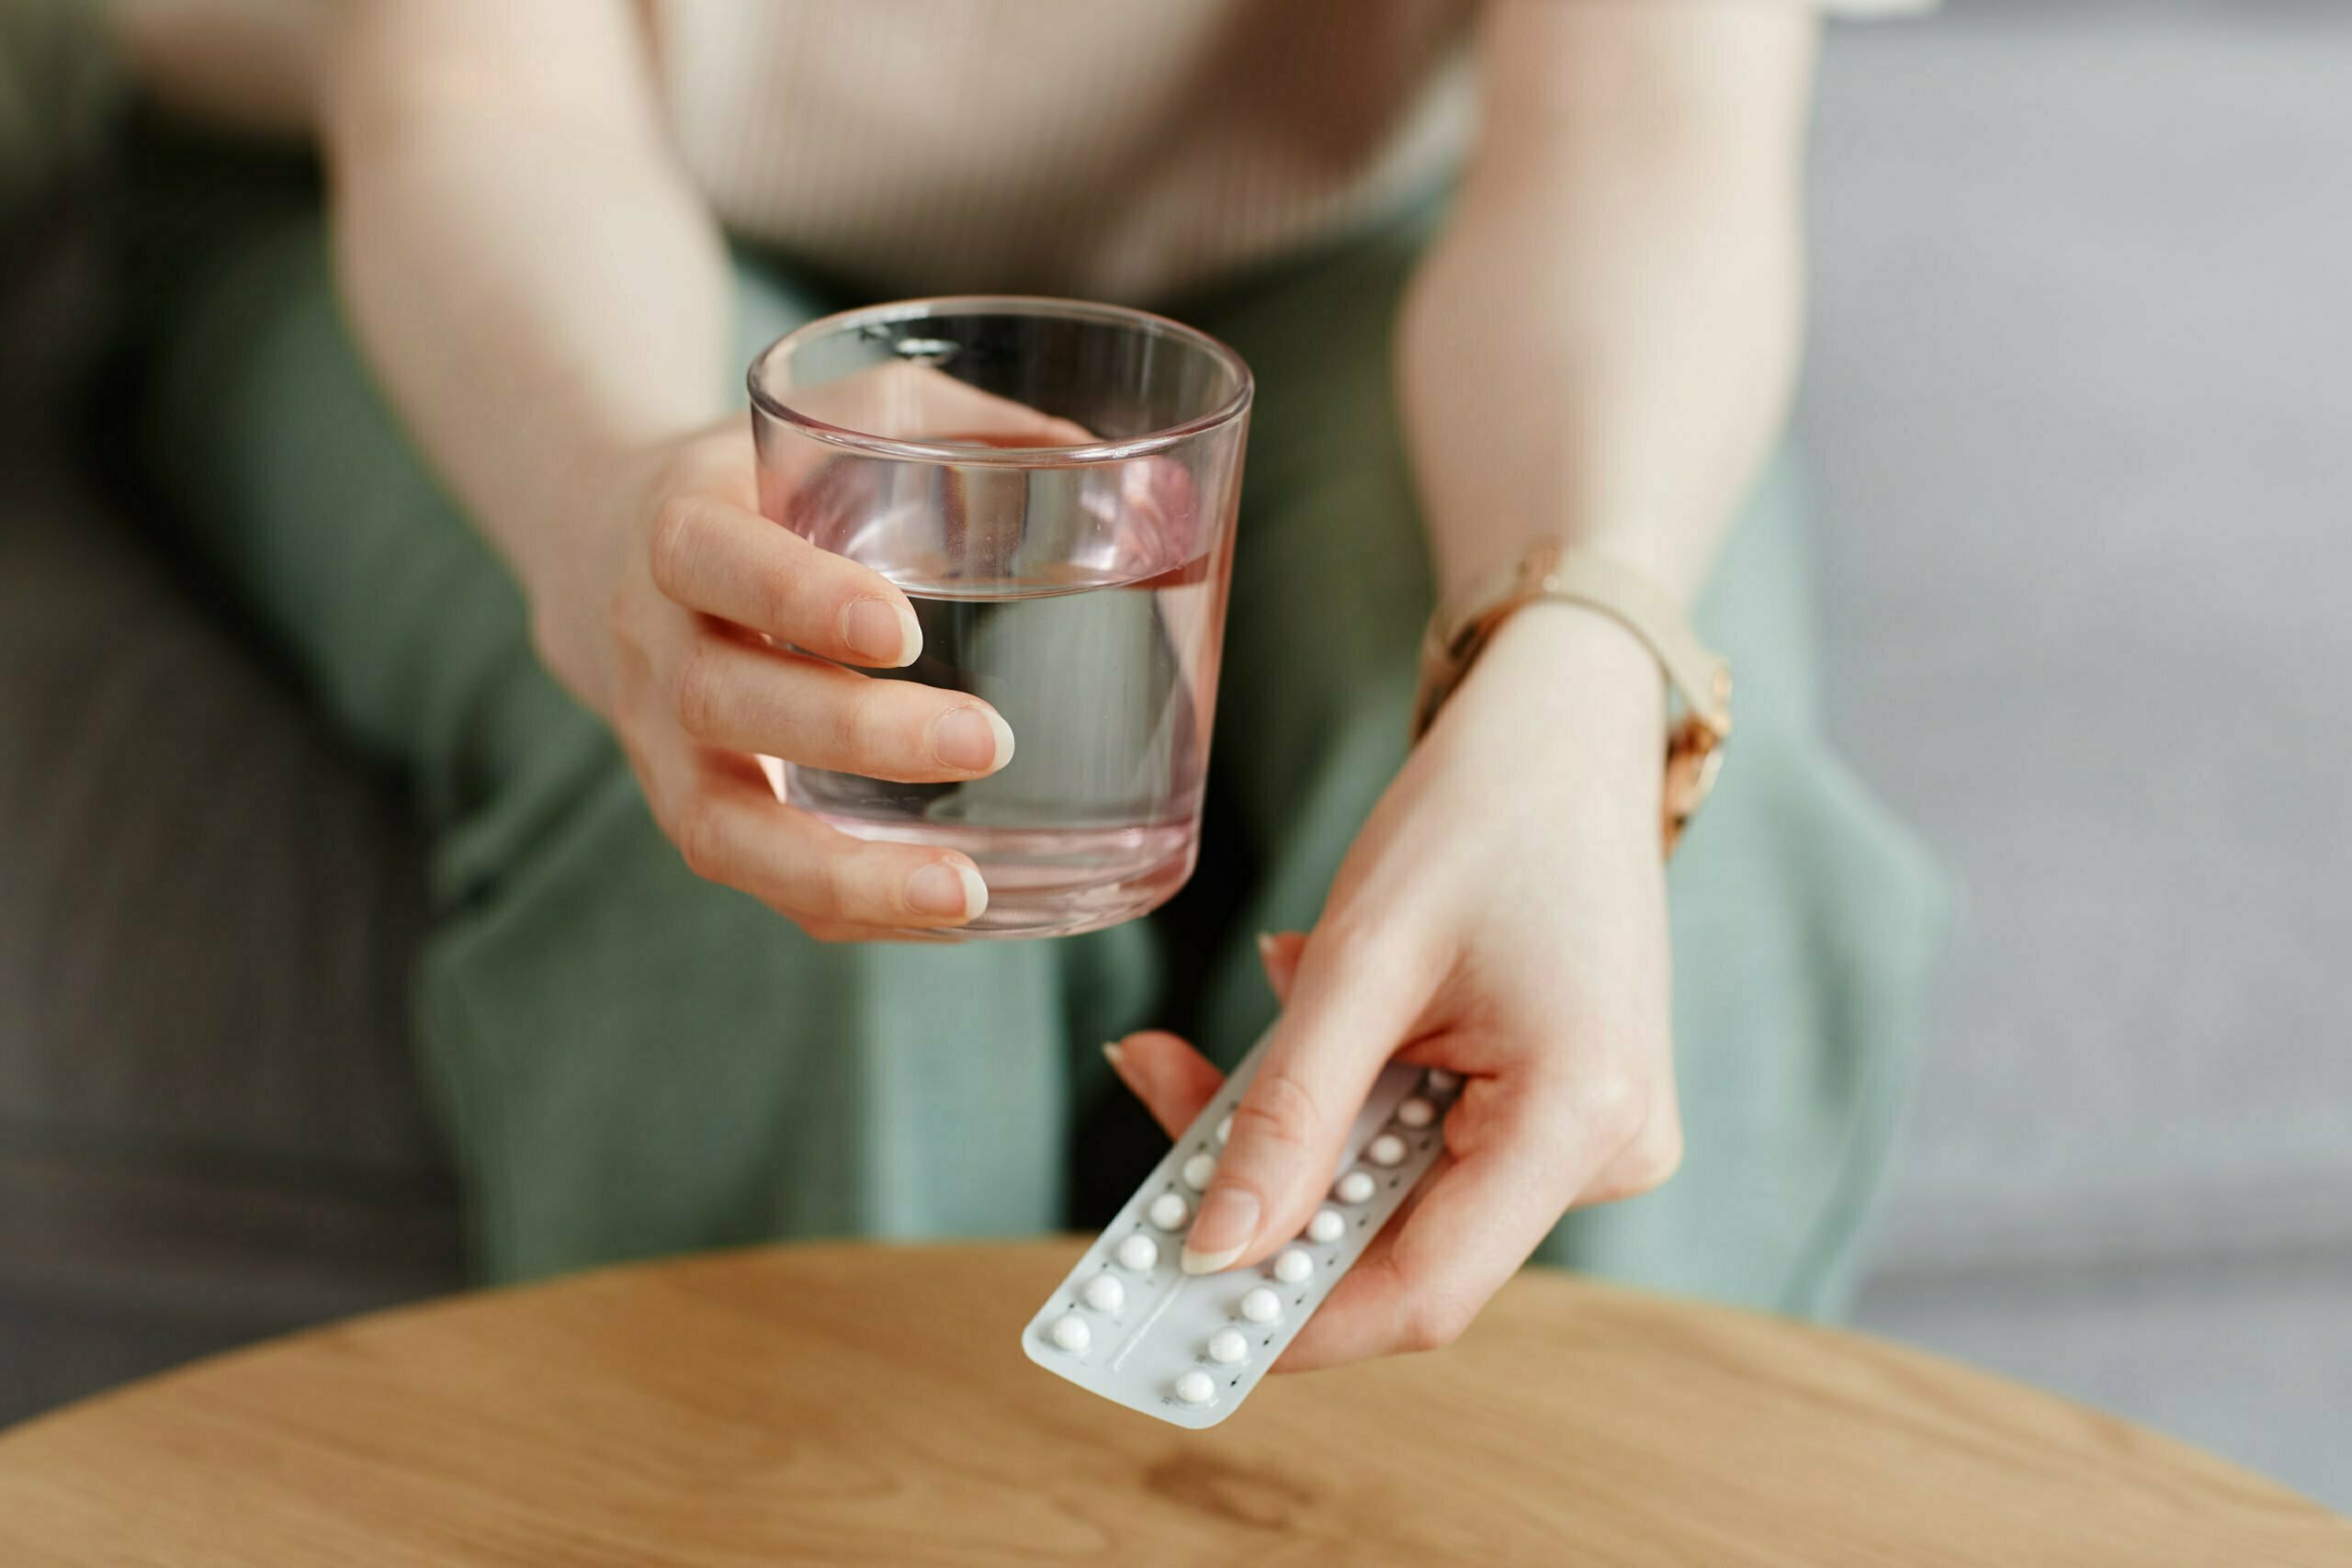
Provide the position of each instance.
(1346, 1015)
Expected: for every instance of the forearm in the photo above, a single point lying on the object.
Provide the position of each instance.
(1600, 346)
(535, 284)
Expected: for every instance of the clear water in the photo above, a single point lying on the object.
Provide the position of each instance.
(1086, 605)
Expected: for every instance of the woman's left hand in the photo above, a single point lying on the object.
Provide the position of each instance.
(1501, 915)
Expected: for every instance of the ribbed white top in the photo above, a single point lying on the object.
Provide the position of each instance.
(1115, 148)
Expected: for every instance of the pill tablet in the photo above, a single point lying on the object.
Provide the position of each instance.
(1387, 1149)
(1127, 1325)
(1443, 1082)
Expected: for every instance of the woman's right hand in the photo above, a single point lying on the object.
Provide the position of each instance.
(666, 612)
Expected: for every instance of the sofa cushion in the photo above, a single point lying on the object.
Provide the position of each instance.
(207, 908)
(209, 1128)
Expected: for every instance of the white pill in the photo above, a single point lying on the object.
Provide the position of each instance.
(1069, 1332)
(1442, 1082)
(1386, 1149)
(1104, 1293)
(1416, 1112)
(1198, 1169)
(1292, 1266)
(1170, 1212)
(1139, 1253)
(1228, 1347)
(1261, 1305)
(1196, 1387)
(1224, 1129)
(1328, 1227)
(1353, 1187)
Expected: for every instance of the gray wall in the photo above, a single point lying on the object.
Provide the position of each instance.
(2081, 406)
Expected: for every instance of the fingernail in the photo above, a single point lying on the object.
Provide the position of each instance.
(975, 739)
(947, 888)
(1110, 1054)
(1228, 1219)
(1265, 949)
(886, 633)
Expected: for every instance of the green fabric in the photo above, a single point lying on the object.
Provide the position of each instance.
(631, 1061)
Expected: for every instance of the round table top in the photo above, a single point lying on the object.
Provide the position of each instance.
(862, 1404)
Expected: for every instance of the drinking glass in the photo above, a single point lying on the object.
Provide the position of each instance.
(1053, 485)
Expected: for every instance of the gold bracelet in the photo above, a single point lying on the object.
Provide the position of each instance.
(1550, 571)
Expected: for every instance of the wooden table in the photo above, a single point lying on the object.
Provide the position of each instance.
(859, 1405)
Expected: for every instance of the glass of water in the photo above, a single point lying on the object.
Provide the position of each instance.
(1053, 485)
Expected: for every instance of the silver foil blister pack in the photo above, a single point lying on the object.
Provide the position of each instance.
(1129, 1324)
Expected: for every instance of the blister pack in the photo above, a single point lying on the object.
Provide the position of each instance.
(1130, 1325)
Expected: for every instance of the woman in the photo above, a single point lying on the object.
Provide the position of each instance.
(527, 233)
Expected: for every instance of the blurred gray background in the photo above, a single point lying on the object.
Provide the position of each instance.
(2080, 402)
(2080, 405)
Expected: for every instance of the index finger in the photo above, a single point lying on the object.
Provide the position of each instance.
(721, 559)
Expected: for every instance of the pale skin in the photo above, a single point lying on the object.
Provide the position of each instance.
(1635, 203)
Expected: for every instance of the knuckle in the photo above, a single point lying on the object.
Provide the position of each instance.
(1278, 1109)
(831, 891)
(815, 928)
(677, 526)
(1614, 1103)
(861, 730)
(700, 834)
(1647, 1164)
(1371, 942)
(694, 691)
(779, 602)
(1435, 1322)
(1657, 1155)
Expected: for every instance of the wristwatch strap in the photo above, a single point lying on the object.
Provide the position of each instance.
(1552, 571)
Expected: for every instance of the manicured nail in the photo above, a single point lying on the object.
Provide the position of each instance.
(947, 888)
(1110, 1054)
(974, 739)
(1228, 1219)
(1265, 949)
(886, 633)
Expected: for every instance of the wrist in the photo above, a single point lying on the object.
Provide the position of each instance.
(1553, 654)
(1568, 675)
